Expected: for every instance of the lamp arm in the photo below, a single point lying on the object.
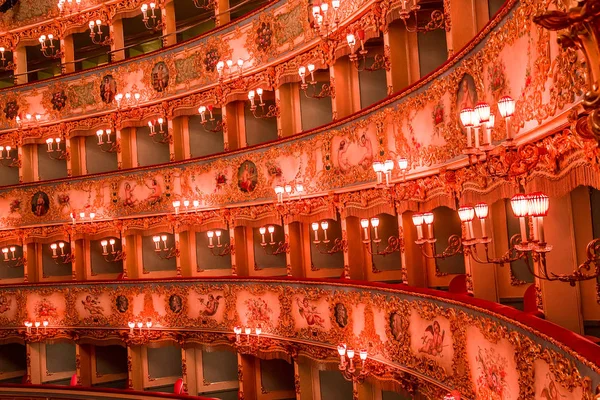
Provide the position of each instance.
(454, 247)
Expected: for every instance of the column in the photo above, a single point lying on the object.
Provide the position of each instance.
(81, 260)
(233, 115)
(239, 258)
(222, 12)
(463, 17)
(170, 131)
(83, 364)
(130, 266)
(67, 57)
(119, 149)
(169, 24)
(124, 250)
(178, 254)
(69, 159)
(562, 302)
(404, 57)
(347, 88)
(20, 60)
(295, 240)
(289, 121)
(74, 257)
(225, 129)
(355, 253)
(135, 379)
(34, 372)
(77, 147)
(118, 40)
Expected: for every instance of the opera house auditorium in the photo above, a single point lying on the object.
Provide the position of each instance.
(300, 199)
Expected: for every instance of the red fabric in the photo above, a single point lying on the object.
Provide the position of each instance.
(458, 284)
(530, 302)
(73, 380)
(577, 343)
(178, 389)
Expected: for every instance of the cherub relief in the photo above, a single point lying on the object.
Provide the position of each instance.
(433, 340)
(5, 304)
(91, 305)
(310, 313)
(210, 305)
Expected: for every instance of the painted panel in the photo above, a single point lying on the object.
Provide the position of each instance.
(315, 112)
(388, 227)
(111, 360)
(99, 264)
(203, 143)
(151, 260)
(319, 258)
(60, 357)
(55, 266)
(148, 152)
(262, 259)
(373, 85)
(50, 168)
(96, 160)
(432, 50)
(164, 362)
(276, 375)
(259, 130)
(219, 366)
(12, 269)
(205, 260)
(334, 386)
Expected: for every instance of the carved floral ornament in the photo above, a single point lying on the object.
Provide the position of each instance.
(443, 341)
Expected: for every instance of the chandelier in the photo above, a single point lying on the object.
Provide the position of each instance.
(209, 124)
(151, 20)
(66, 7)
(109, 146)
(49, 50)
(96, 35)
(327, 89)
(359, 58)
(269, 112)
(347, 365)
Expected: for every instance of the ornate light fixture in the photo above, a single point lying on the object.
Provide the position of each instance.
(205, 4)
(210, 124)
(96, 35)
(137, 335)
(139, 325)
(38, 334)
(128, 99)
(288, 190)
(409, 11)
(252, 342)
(9, 160)
(270, 112)
(82, 217)
(56, 153)
(348, 368)
(29, 120)
(195, 204)
(383, 169)
(327, 90)
(151, 20)
(5, 65)
(163, 251)
(325, 18)
(69, 6)
(481, 118)
(158, 133)
(394, 242)
(49, 50)
(109, 146)
(359, 58)
(226, 68)
(272, 248)
(63, 257)
(114, 255)
(222, 249)
(339, 244)
(11, 260)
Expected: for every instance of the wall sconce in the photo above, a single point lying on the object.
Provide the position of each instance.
(4, 65)
(11, 260)
(272, 248)
(163, 251)
(205, 4)
(114, 255)
(137, 335)
(83, 217)
(409, 12)
(9, 160)
(39, 334)
(248, 345)
(325, 21)
(55, 152)
(271, 112)
(383, 169)
(64, 258)
(96, 35)
(481, 118)
(210, 124)
(225, 68)
(151, 21)
(394, 242)
(29, 121)
(49, 50)
(139, 325)
(359, 58)
(223, 249)
(186, 204)
(109, 146)
(327, 90)
(288, 190)
(128, 99)
(157, 132)
(347, 367)
(69, 6)
(339, 245)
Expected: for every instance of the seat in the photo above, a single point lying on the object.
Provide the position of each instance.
(178, 388)
(530, 303)
(458, 284)
(73, 380)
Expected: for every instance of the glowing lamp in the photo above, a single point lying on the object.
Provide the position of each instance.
(506, 106)
(481, 210)
(519, 205)
(466, 214)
